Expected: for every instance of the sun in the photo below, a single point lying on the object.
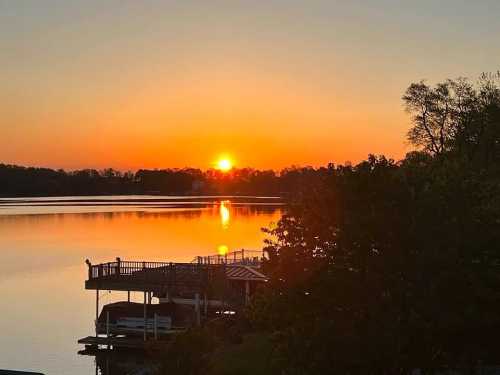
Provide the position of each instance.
(224, 164)
(222, 250)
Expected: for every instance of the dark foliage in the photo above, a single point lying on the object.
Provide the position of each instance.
(192, 352)
(386, 267)
(17, 181)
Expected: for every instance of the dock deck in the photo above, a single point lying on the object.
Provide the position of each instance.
(205, 287)
(157, 277)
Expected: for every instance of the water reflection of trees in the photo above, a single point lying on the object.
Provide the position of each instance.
(193, 211)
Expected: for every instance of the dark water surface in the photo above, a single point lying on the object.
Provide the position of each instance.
(45, 241)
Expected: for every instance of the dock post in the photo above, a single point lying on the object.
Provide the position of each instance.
(107, 327)
(87, 262)
(107, 323)
(118, 265)
(128, 295)
(247, 292)
(156, 326)
(96, 310)
(145, 317)
(197, 308)
(205, 304)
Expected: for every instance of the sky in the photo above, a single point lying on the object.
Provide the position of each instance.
(156, 84)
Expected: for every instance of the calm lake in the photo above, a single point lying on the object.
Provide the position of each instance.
(44, 243)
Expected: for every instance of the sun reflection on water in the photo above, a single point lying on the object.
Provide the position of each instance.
(224, 214)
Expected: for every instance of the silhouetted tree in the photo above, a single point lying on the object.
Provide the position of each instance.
(384, 267)
(453, 115)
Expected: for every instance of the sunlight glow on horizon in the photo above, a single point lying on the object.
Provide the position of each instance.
(153, 85)
(224, 164)
(222, 249)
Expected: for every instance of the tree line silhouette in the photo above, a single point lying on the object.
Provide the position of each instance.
(385, 267)
(18, 181)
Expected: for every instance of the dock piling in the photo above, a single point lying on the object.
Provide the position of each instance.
(107, 326)
(107, 323)
(145, 318)
(197, 308)
(155, 327)
(96, 310)
(247, 292)
(205, 304)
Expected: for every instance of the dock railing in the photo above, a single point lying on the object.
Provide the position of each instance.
(142, 270)
(201, 268)
(241, 257)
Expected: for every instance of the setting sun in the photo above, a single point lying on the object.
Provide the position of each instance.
(224, 164)
(222, 250)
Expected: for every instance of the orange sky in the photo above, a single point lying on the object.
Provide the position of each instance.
(132, 85)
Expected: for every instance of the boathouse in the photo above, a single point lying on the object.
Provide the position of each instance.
(188, 294)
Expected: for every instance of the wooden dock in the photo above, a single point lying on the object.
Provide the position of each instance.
(207, 286)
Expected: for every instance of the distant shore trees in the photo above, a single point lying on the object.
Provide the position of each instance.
(19, 181)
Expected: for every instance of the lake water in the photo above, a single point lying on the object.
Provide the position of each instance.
(45, 241)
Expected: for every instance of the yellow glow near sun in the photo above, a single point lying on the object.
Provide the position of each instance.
(224, 164)
(222, 250)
